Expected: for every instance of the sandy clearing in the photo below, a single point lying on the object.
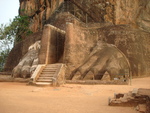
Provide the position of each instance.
(70, 98)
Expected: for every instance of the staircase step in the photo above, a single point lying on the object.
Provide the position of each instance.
(43, 83)
(50, 68)
(48, 73)
(53, 64)
(44, 80)
(46, 77)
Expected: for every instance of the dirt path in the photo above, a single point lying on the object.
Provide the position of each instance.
(20, 98)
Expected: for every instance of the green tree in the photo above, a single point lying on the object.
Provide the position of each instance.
(6, 43)
(12, 33)
(17, 29)
(3, 58)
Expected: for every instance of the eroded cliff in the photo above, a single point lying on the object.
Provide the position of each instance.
(119, 27)
(133, 12)
(39, 11)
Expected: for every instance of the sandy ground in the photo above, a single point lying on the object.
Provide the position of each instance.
(20, 98)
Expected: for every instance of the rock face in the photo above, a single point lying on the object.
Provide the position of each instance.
(39, 11)
(99, 36)
(28, 63)
(104, 58)
(138, 98)
(19, 50)
(133, 12)
(133, 43)
(82, 53)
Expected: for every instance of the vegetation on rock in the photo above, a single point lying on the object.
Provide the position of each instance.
(12, 33)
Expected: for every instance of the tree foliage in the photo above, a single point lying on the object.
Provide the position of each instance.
(3, 58)
(17, 28)
(12, 33)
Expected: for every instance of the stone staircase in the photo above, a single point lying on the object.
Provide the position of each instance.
(48, 75)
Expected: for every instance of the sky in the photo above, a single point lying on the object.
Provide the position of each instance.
(8, 10)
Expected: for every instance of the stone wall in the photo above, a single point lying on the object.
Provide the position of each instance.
(134, 43)
(82, 43)
(52, 45)
(61, 19)
(78, 44)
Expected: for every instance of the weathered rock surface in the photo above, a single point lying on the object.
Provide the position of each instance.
(123, 23)
(19, 50)
(39, 11)
(81, 43)
(134, 43)
(104, 58)
(133, 12)
(28, 63)
(139, 98)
